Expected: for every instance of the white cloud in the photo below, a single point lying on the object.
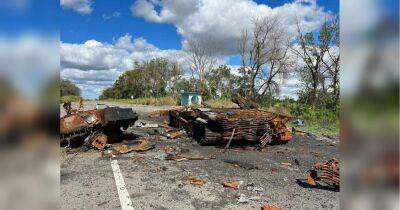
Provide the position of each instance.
(223, 20)
(80, 6)
(99, 64)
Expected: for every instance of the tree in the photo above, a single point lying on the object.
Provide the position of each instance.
(264, 55)
(320, 62)
(220, 82)
(150, 78)
(68, 88)
(202, 58)
(332, 62)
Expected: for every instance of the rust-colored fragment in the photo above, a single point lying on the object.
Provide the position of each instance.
(268, 207)
(99, 141)
(311, 176)
(141, 147)
(174, 134)
(195, 181)
(235, 184)
(158, 113)
(177, 158)
(329, 173)
(122, 149)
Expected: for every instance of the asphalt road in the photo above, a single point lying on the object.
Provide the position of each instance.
(88, 181)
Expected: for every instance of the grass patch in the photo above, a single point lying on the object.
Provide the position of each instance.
(220, 103)
(318, 121)
(167, 100)
(69, 98)
(330, 130)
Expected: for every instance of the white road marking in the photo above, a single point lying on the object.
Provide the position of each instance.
(123, 194)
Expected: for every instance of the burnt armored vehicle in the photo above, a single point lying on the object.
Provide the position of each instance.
(213, 126)
(80, 124)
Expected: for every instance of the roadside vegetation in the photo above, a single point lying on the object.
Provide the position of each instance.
(69, 98)
(157, 101)
(69, 91)
(269, 55)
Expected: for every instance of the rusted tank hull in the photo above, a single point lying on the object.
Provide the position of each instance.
(221, 125)
(83, 123)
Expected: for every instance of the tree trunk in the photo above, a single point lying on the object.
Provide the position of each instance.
(314, 90)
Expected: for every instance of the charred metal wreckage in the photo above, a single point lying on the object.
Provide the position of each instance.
(328, 172)
(212, 126)
(91, 123)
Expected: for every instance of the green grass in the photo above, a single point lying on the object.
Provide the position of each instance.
(70, 98)
(167, 100)
(320, 122)
(330, 130)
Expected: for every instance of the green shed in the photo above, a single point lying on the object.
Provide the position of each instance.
(190, 98)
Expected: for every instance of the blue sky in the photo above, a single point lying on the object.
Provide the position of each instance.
(101, 38)
(78, 28)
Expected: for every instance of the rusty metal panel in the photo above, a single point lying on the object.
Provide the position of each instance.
(328, 172)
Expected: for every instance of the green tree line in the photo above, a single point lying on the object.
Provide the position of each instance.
(68, 88)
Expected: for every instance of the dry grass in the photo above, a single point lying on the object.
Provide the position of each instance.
(220, 103)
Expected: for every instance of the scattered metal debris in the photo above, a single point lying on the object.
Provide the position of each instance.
(141, 124)
(235, 184)
(97, 140)
(179, 157)
(252, 187)
(286, 163)
(244, 199)
(211, 126)
(143, 145)
(110, 153)
(173, 134)
(330, 173)
(194, 181)
(242, 164)
(158, 113)
(268, 207)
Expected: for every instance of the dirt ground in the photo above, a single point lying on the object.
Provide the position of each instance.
(87, 180)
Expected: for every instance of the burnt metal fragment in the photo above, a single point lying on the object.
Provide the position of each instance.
(328, 172)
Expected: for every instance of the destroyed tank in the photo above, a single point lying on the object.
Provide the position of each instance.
(82, 123)
(213, 126)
